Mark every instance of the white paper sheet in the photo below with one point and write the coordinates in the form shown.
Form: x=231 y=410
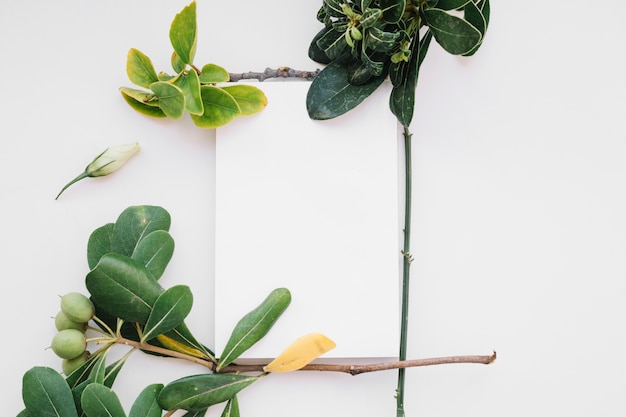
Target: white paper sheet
x=311 y=206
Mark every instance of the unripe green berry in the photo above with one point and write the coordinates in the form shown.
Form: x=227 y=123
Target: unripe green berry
x=62 y=322
x=77 y=307
x=70 y=365
x=69 y=343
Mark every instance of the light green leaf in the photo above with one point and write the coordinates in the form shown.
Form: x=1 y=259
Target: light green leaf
x=219 y=108
x=454 y=34
x=171 y=99
x=138 y=101
x=146 y=404
x=140 y=69
x=183 y=33
x=46 y=394
x=155 y=251
x=212 y=74
x=198 y=392
x=250 y=99
x=98 y=400
x=190 y=86
x=177 y=64
x=123 y=288
x=254 y=325
x=168 y=311
x=135 y=223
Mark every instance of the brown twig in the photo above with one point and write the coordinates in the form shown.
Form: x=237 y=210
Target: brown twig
x=281 y=72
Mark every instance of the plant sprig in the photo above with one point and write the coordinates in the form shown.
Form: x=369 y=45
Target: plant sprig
x=190 y=89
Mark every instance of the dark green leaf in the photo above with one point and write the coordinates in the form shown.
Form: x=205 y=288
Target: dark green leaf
x=171 y=98
x=370 y=17
x=333 y=43
x=23 y=413
x=316 y=53
x=134 y=223
x=155 y=251
x=147 y=108
x=190 y=86
x=475 y=17
x=123 y=287
x=232 y=408
x=372 y=64
x=250 y=99
x=454 y=34
x=219 y=108
x=98 y=371
x=254 y=325
x=45 y=393
x=168 y=311
x=402 y=99
x=381 y=41
x=485 y=8
x=146 y=404
x=140 y=69
x=212 y=74
x=331 y=94
x=199 y=413
x=100 y=401
x=198 y=392
x=183 y=33
x=99 y=244
x=333 y=8
x=451 y=4
x=392 y=10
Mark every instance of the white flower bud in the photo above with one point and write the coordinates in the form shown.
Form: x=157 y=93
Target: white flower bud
x=107 y=162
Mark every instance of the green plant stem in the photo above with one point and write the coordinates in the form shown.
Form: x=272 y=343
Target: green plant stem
x=406 y=264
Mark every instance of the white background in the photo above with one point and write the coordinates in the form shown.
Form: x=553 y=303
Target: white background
x=519 y=232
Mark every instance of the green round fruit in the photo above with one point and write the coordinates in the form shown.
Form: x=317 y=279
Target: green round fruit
x=62 y=322
x=77 y=307
x=69 y=343
x=70 y=365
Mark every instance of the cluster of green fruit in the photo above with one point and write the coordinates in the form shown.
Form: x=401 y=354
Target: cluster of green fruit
x=70 y=343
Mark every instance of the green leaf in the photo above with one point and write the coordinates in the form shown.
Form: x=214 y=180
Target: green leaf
x=474 y=15
x=100 y=401
x=370 y=17
x=333 y=43
x=451 y=4
x=331 y=94
x=199 y=413
x=333 y=8
x=183 y=33
x=402 y=98
x=189 y=84
x=98 y=371
x=485 y=9
x=381 y=41
x=177 y=64
x=392 y=10
x=147 y=108
x=123 y=287
x=212 y=74
x=171 y=98
x=23 y=413
x=219 y=108
x=140 y=69
x=254 y=325
x=99 y=244
x=232 y=408
x=146 y=404
x=198 y=392
x=316 y=53
x=250 y=99
x=168 y=311
x=454 y=34
x=136 y=222
x=183 y=335
x=45 y=393
x=155 y=251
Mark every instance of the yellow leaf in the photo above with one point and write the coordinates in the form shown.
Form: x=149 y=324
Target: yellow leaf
x=300 y=353
x=175 y=345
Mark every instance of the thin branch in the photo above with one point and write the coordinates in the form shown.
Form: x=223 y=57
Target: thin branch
x=382 y=366
x=281 y=72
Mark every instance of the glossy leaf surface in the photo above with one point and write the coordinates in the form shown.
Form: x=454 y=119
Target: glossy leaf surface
x=331 y=94
x=130 y=96
x=169 y=310
x=134 y=223
x=98 y=400
x=198 y=392
x=212 y=73
x=171 y=99
x=123 y=287
x=99 y=244
x=254 y=325
x=219 y=108
x=155 y=251
x=250 y=99
x=183 y=33
x=146 y=404
x=453 y=33
x=46 y=394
